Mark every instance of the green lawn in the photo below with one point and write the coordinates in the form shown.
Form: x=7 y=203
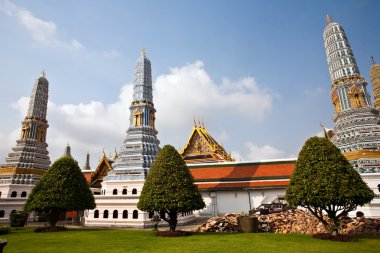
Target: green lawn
x=25 y=240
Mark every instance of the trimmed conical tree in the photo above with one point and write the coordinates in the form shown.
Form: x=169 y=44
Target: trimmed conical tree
x=169 y=188
x=324 y=182
x=62 y=188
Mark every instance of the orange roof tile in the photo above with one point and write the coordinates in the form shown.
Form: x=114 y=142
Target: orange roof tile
x=219 y=171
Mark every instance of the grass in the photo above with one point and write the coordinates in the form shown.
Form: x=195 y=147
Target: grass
x=86 y=240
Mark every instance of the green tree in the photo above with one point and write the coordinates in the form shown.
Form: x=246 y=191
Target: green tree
x=169 y=188
x=324 y=182
x=62 y=188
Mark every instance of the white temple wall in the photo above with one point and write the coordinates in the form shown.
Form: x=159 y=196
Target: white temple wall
x=222 y=202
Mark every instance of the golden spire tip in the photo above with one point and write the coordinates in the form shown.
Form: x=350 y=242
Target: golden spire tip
x=328 y=19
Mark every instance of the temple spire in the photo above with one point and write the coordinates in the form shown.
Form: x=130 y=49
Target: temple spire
x=87 y=164
x=30 y=151
x=141 y=132
x=67 y=151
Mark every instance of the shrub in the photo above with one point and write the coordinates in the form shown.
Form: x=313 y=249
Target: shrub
x=4 y=230
x=18 y=218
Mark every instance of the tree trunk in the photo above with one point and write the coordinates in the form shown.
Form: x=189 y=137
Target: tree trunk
x=53 y=216
x=335 y=226
x=173 y=220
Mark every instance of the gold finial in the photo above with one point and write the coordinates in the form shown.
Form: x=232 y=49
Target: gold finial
x=143 y=53
x=116 y=155
x=328 y=19
x=199 y=122
x=43 y=73
x=373 y=60
x=195 y=123
x=203 y=124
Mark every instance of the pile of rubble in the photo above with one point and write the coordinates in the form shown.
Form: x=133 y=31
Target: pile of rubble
x=225 y=223
x=291 y=221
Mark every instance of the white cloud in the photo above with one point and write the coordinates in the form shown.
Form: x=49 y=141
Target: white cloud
x=255 y=152
x=42 y=31
x=189 y=91
x=178 y=95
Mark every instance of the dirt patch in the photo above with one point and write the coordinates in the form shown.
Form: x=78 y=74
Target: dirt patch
x=172 y=233
x=49 y=229
x=339 y=238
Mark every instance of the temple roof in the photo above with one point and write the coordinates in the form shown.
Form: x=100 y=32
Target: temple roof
x=202 y=148
x=243 y=175
x=104 y=166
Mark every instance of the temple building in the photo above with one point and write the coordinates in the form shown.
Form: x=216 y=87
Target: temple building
x=29 y=159
x=228 y=186
x=357 y=130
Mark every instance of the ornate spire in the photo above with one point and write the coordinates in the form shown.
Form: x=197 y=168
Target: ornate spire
x=142 y=86
x=141 y=144
x=354 y=115
x=67 y=151
x=43 y=73
x=87 y=164
x=30 y=151
x=328 y=19
x=340 y=58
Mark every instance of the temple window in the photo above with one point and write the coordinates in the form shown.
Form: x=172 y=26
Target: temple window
x=105 y=214
x=115 y=214
x=125 y=214
x=135 y=214
x=134 y=191
x=14 y=194
x=96 y=214
x=378 y=187
x=114 y=192
x=124 y=191
x=23 y=194
x=2 y=213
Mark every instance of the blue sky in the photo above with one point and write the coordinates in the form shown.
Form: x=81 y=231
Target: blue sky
x=254 y=71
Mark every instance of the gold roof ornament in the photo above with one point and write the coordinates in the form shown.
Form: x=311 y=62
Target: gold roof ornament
x=328 y=19
x=116 y=155
x=201 y=147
